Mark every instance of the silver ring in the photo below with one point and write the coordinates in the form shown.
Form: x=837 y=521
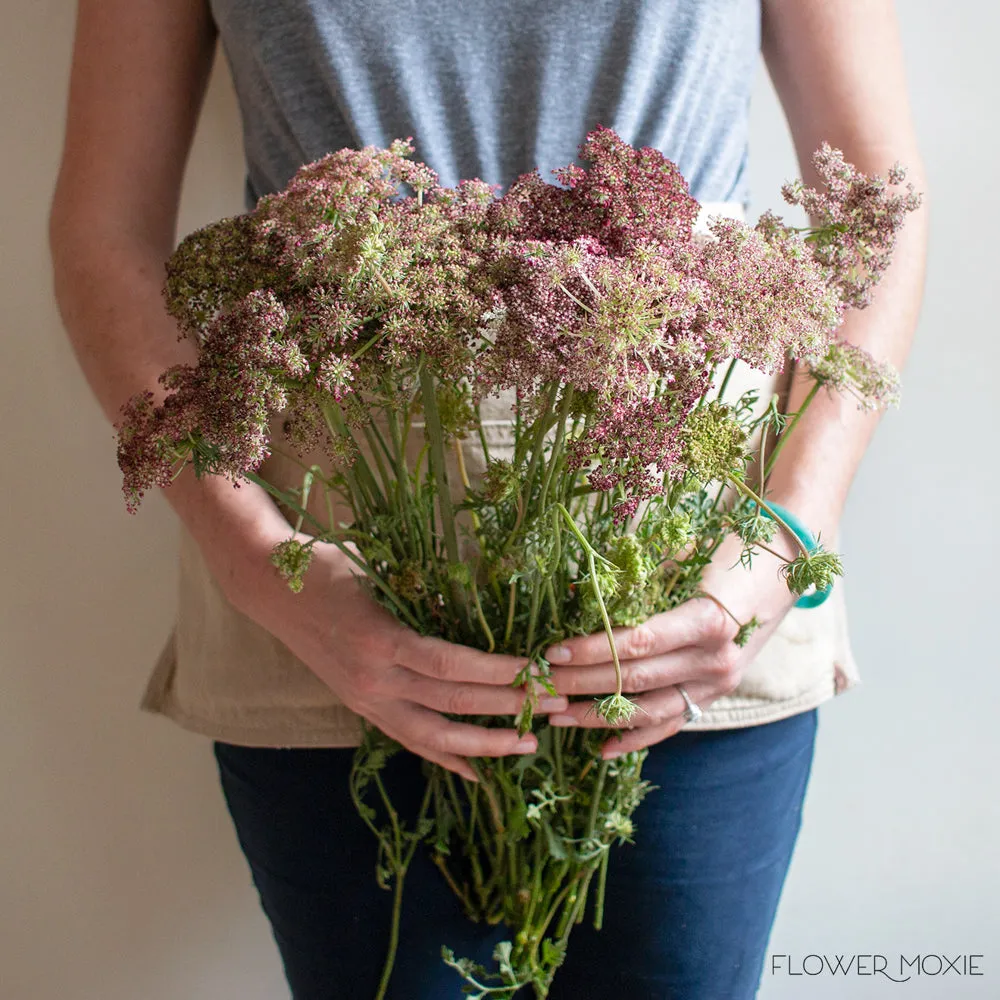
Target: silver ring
x=691 y=711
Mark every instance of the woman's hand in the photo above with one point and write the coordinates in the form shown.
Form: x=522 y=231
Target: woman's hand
x=398 y=680
x=690 y=645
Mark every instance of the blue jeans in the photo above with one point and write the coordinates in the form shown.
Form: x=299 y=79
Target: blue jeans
x=689 y=906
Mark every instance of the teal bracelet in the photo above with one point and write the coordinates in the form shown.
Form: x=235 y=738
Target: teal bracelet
x=817 y=597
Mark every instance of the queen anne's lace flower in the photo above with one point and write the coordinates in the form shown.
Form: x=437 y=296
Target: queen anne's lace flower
x=597 y=286
x=856 y=219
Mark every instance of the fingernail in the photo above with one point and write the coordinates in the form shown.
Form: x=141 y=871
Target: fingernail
x=611 y=754
x=562 y=720
x=553 y=704
x=559 y=654
x=526 y=745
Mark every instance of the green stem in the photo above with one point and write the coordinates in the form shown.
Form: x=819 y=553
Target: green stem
x=728 y=376
x=364 y=347
x=595 y=802
x=788 y=430
x=770 y=551
x=556 y=456
x=550 y=593
x=327 y=536
x=449 y=782
x=535 y=871
x=542 y=425
x=481 y=618
x=602 y=883
x=592 y=570
x=712 y=597
x=556 y=903
x=337 y=428
x=511 y=604
x=307 y=481
x=536 y=600
x=402 y=865
x=435 y=438
x=414 y=523
x=747 y=491
x=581 y=904
x=482 y=436
x=390 y=955
x=379 y=437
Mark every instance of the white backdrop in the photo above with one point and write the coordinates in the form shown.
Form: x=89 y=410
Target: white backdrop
x=119 y=872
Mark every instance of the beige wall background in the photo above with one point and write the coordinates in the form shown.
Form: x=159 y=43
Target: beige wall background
x=120 y=876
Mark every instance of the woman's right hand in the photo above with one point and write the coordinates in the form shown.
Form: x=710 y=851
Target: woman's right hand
x=395 y=678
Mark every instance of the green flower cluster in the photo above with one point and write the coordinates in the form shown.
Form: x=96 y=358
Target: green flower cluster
x=817 y=569
x=292 y=558
x=714 y=443
x=624 y=578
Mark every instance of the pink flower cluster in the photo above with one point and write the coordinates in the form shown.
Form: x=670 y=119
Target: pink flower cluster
x=856 y=219
x=341 y=286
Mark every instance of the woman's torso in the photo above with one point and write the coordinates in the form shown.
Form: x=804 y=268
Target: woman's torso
x=486 y=89
x=493 y=88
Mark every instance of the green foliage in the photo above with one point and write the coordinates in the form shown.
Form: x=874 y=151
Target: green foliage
x=818 y=569
x=501 y=481
x=748 y=521
x=456 y=409
x=746 y=630
x=715 y=443
x=292 y=559
x=617 y=710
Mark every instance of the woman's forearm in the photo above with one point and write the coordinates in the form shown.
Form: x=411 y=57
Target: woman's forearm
x=108 y=291
x=839 y=73
x=817 y=464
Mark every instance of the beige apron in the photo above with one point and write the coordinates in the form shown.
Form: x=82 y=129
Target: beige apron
x=222 y=675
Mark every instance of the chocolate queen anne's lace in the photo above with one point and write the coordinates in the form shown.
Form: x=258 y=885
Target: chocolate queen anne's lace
x=373 y=309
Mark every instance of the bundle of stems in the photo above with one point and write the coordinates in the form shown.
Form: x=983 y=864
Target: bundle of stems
x=529 y=843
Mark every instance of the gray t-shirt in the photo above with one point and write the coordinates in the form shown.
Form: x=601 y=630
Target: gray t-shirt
x=492 y=88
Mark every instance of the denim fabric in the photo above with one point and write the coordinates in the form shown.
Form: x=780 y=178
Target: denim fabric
x=689 y=906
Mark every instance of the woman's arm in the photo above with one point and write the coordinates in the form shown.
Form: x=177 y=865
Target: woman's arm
x=838 y=71
x=140 y=69
x=138 y=79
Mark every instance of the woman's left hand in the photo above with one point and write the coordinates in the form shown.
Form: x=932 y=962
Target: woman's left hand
x=690 y=645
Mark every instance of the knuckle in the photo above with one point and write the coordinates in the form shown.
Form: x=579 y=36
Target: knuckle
x=727 y=672
x=446 y=739
x=439 y=663
x=667 y=716
x=674 y=727
x=731 y=681
x=727 y=657
x=635 y=677
x=366 y=681
x=715 y=621
x=461 y=701
x=395 y=647
x=436 y=739
x=638 y=641
x=651 y=715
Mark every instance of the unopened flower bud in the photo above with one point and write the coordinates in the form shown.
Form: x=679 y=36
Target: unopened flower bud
x=292 y=558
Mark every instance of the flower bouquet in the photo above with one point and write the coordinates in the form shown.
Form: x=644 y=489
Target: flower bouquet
x=391 y=324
